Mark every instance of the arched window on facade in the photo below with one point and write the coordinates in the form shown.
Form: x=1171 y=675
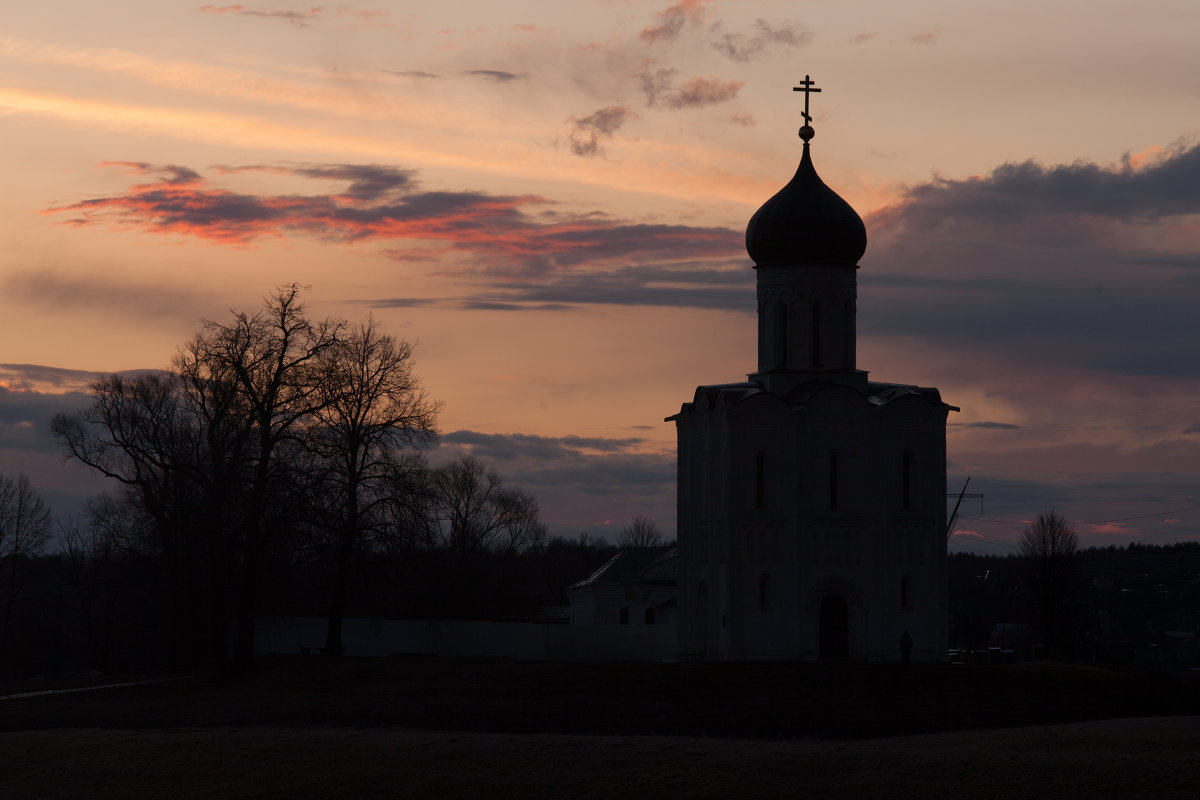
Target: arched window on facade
x=834 y=469
x=906 y=480
x=906 y=592
x=760 y=480
x=624 y=615
x=781 y=334
x=649 y=616
x=816 y=334
x=764 y=591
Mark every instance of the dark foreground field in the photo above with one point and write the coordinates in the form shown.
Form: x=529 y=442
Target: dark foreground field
x=461 y=728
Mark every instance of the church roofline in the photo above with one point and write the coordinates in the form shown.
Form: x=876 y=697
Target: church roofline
x=713 y=396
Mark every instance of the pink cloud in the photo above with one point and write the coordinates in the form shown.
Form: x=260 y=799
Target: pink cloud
x=968 y=533
x=380 y=203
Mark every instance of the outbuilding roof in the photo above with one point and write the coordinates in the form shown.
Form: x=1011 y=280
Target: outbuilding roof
x=633 y=566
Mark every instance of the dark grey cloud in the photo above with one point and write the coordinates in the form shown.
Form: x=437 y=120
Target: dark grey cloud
x=661 y=91
x=494 y=75
x=24 y=377
x=297 y=18
x=402 y=302
x=631 y=286
x=1045 y=264
x=412 y=73
x=1172 y=261
x=1016 y=192
x=45 y=287
x=656 y=82
x=479 y=304
x=697 y=92
x=1133 y=329
x=367 y=181
x=509 y=445
x=667 y=285
x=587 y=132
x=1004 y=426
x=25 y=416
x=764 y=39
x=585 y=465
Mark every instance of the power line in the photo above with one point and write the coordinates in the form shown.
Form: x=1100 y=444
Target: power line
x=1095 y=521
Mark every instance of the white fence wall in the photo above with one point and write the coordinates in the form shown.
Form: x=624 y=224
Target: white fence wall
x=521 y=641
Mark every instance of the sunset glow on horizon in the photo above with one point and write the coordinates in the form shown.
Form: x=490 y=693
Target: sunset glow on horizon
x=551 y=202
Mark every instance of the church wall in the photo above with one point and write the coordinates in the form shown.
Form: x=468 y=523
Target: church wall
x=703 y=535
x=773 y=541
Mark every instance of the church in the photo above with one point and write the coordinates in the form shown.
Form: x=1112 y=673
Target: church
x=812 y=511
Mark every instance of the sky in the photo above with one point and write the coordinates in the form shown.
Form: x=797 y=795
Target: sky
x=550 y=199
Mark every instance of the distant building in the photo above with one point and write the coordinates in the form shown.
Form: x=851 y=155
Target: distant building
x=634 y=587
x=811 y=500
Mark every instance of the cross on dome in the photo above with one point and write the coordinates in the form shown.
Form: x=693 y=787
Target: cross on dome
x=806 y=86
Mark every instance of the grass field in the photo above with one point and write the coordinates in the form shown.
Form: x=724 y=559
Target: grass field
x=301 y=727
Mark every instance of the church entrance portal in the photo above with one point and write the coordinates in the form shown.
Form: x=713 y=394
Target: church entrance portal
x=835 y=628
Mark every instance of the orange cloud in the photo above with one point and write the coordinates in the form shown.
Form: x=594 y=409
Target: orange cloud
x=383 y=203
x=1150 y=156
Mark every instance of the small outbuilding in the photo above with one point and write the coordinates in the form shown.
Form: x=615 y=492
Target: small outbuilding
x=634 y=587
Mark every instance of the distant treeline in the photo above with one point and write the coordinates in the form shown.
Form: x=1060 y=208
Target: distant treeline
x=1132 y=605
x=101 y=608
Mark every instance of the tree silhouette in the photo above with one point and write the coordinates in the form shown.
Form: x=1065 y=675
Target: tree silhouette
x=641 y=532
x=477 y=513
x=24 y=529
x=178 y=470
x=268 y=366
x=370 y=408
x=1050 y=547
x=205 y=449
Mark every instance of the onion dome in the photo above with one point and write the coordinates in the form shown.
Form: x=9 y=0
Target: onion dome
x=806 y=223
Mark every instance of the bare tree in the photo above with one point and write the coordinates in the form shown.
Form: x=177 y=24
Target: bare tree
x=204 y=450
x=641 y=532
x=1050 y=547
x=478 y=513
x=370 y=407
x=24 y=530
x=266 y=368
x=144 y=433
x=520 y=524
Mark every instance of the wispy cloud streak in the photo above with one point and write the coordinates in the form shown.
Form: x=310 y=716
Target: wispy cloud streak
x=299 y=18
